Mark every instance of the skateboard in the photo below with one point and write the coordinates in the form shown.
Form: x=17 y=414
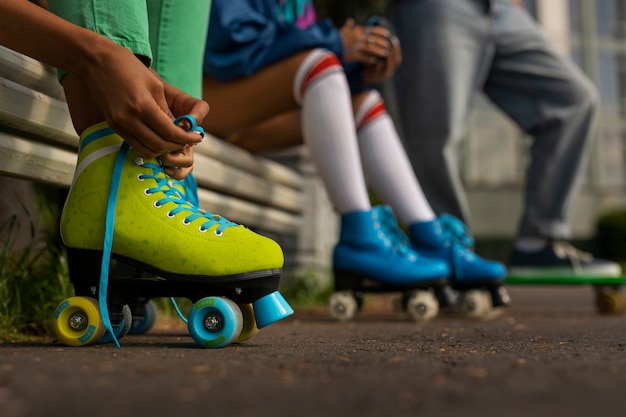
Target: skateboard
x=608 y=298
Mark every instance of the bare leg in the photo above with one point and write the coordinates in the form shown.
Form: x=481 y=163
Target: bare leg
x=248 y=102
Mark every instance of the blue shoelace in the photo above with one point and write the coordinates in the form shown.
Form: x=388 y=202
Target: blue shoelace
x=399 y=240
x=455 y=232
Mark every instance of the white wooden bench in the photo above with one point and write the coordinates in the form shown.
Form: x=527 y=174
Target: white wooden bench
x=38 y=143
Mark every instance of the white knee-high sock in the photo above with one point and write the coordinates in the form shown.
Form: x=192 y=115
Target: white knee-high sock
x=321 y=88
x=386 y=165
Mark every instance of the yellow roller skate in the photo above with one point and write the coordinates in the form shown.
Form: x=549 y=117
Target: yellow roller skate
x=129 y=234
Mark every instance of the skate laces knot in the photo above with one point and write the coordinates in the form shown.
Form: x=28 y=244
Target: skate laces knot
x=164 y=185
x=454 y=232
x=398 y=240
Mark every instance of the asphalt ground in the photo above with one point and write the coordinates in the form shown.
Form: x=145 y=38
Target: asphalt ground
x=550 y=354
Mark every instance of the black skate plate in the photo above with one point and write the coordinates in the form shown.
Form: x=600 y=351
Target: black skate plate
x=355 y=281
x=130 y=279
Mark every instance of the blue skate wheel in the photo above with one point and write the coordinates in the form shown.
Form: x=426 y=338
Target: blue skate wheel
x=148 y=320
x=215 y=322
x=271 y=308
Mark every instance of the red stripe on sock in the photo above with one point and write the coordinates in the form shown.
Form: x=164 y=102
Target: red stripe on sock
x=375 y=111
x=328 y=62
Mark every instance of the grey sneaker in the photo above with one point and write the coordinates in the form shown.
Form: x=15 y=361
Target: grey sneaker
x=560 y=258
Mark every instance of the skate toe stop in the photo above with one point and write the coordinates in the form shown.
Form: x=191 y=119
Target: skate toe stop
x=271 y=308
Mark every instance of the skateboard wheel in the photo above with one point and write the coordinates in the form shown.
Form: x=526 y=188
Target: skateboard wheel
x=421 y=306
x=77 y=321
x=249 y=328
x=343 y=306
x=215 y=322
x=120 y=330
x=610 y=302
x=147 y=321
x=476 y=304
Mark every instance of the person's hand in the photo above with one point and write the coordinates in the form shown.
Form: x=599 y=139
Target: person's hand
x=383 y=68
x=178 y=164
x=139 y=105
x=366 y=44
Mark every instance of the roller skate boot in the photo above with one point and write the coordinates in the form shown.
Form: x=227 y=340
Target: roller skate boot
x=374 y=255
x=129 y=235
x=477 y=281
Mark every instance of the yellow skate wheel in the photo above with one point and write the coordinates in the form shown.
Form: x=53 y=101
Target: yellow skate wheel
x=249 y=323
x=77 y=321
x=610 y=302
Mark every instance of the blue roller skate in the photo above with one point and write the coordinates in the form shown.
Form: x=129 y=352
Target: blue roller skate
x=478 y=281
x=374 y=255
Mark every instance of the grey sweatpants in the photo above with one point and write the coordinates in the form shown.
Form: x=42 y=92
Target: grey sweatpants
x=454 y=48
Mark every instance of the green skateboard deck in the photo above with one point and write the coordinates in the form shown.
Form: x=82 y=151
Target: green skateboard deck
x=608 y=299
x=564 y=280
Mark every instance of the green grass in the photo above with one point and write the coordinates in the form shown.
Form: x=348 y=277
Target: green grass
x=32 y=283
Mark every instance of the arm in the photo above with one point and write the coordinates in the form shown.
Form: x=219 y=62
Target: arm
x=128 y=95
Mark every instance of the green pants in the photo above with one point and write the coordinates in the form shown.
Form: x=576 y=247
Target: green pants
x=169 y=35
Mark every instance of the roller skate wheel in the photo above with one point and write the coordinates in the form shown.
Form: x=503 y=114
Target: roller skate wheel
x=610 y=302
x=215 y=322
x=476 y=304
x=249 y=323
x=122 y=329
x=77 y=321
x=148 y=320
x=422 y=306
x=343 y=306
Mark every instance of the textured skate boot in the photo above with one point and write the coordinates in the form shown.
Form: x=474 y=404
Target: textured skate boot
x=446 y=238
x=374 y=256
x=151 y=231
x=372 y=247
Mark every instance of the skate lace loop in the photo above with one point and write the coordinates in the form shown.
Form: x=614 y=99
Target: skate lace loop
x=564 y=250
x=454 y=231
x=172 y=195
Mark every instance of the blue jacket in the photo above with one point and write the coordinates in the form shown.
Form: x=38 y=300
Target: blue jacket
x=246 y=35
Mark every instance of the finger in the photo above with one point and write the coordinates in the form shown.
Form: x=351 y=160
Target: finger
x=176 y=159
x=396 y=49
x=146 y=141
x=178 y=173
x=380 y=31
x=199 y=110
x=377 y=46
x=163 y=130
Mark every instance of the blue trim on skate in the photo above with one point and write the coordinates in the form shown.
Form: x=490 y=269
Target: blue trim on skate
x=94 y=136
x=108 y=239
x=271 y=308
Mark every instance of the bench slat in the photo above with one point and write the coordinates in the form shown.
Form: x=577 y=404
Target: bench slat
x=38 y=143
x=35 y=161
x=215 y=175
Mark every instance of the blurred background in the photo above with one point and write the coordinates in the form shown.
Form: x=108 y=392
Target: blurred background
x=494 y=157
